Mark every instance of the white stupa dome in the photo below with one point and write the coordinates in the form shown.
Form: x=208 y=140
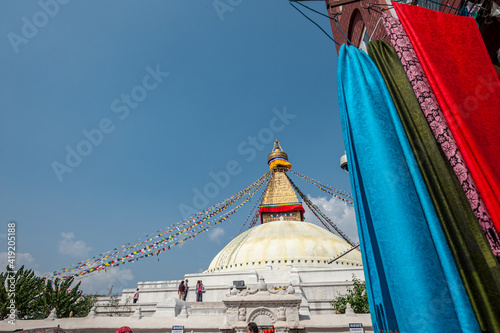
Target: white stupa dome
x=279 y=243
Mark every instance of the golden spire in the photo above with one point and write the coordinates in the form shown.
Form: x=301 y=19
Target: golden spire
x=280 y=200
x=278 y=158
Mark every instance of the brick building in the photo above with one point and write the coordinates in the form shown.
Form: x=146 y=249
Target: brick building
x=360 y=21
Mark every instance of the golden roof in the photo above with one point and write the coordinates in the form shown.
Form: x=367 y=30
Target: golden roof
x=277 y=152
x=279 y=190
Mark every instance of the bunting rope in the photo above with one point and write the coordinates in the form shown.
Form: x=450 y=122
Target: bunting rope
x=320 y=184
x=191 y=227
x=327 y=188
x=343 y=254
x=164 y=239
x=316 y=211
x=255 y=219
x=191 y=233
x=254 y=210
x=309 y=204
x=213 y=209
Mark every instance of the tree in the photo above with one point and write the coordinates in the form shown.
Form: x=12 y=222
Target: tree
x=35 y=297
x=59 y=295
x=23 y=287
x=356 y=296
x=4 y=300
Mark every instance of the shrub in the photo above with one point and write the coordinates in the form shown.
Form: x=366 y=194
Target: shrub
x=356 y=296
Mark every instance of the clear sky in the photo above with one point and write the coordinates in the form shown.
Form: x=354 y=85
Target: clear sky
x=114 y=113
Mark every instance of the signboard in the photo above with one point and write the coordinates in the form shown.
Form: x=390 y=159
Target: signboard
x=356 y=328
x=177 y=329
x=239 y=284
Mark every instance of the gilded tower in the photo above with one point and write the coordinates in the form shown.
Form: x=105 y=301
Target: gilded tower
x=280 y=201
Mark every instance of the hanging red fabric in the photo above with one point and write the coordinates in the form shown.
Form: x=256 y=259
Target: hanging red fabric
x=280 y=209
x=454 y=57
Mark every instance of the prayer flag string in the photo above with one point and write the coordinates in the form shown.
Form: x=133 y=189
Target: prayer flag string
x=159 y=241
x=326 y=188
x=254 y=209
x=319 y=214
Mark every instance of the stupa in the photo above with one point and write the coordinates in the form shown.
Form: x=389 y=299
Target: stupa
x=283 y=239
x=278 y=274
x=285 y=254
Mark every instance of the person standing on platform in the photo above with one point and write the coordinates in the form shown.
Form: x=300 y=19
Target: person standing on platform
x=199 y=291
x=186 y=287
x=136 y=296
x=182 y=290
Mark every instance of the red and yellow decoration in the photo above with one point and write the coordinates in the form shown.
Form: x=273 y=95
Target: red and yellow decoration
x=278 y=158
x=279 y=162
x=295 y=207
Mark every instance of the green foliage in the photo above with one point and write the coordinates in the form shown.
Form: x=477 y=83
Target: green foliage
x=355 y=296
x=35 y=297
x=4 y=300
x=58 y=296
x=85 y=303
x=27 y=289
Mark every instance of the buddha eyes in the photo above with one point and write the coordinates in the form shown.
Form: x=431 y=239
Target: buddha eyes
x=277 y=215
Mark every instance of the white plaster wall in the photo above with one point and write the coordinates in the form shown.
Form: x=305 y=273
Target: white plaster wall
x=195 y=324
x=317 y=286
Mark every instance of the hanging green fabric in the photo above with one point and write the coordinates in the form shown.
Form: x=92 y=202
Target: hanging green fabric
x=478 y=268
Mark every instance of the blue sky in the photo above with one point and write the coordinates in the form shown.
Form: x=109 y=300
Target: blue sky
x=154 y=97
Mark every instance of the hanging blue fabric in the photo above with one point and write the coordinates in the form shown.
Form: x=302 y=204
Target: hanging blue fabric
x=412 y=283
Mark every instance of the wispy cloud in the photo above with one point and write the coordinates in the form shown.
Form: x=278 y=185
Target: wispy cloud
x=25 y=259
x=71 y=247
x=340 y=213
x=102 y=281
x=216 y=234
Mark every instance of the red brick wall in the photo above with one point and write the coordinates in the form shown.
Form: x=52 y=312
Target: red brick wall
x=353 y=19
x=356 y=27
x=451 y=3
x=352 y=14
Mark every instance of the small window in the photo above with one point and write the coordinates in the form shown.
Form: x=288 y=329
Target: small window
x=365 y=38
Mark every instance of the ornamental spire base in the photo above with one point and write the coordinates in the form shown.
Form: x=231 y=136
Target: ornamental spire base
x=280 y=201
